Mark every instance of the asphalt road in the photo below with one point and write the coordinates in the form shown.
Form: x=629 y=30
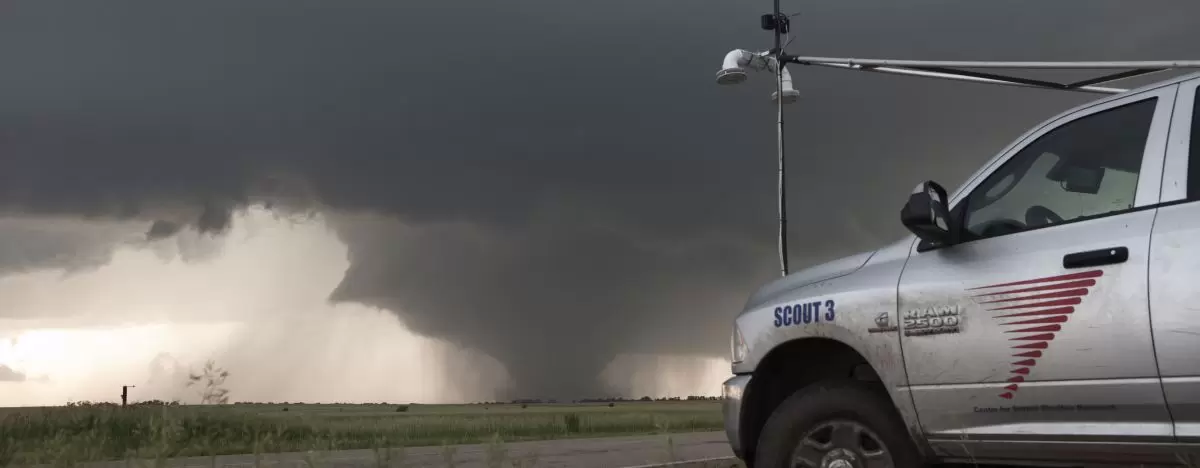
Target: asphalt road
x=610 y=452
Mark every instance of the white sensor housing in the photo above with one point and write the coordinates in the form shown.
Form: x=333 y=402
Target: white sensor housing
x=733 y=71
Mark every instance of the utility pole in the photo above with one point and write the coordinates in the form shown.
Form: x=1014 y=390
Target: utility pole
x=125 y=394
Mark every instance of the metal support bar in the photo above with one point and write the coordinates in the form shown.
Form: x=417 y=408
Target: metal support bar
x=952 y=70
x=1160 y=64
x=1116 y=76
x=957 y=77
x=997 y=77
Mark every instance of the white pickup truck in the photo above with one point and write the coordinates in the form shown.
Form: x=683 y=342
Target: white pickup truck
x=1045 y=313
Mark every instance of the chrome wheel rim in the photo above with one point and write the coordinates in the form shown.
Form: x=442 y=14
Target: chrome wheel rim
x=841 y=443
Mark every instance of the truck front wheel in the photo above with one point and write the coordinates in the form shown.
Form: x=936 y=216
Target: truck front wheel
x=835 y=424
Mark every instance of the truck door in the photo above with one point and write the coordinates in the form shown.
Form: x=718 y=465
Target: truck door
x=1035 y=325
x=1175 y=269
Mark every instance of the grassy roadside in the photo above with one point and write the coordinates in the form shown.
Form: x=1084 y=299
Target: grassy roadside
x=63 y=436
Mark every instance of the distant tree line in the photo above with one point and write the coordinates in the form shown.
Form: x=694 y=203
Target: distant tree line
x=402 y=407
x=109 y=404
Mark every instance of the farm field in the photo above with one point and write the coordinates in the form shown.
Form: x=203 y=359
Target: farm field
x=699 y=449
x=65 y=436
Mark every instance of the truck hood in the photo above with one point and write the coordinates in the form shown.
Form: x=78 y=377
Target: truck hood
x=825 y=271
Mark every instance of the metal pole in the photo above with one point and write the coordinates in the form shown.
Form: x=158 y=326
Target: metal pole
x=780 y=61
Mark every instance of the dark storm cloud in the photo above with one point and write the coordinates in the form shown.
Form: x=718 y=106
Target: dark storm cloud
x=161 y=229
x=569 y=181
x=28 y=243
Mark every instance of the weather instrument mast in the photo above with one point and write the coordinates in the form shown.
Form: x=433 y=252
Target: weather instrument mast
x=775 y=60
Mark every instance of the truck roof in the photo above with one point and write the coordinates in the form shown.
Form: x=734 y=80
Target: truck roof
x=1156 y=84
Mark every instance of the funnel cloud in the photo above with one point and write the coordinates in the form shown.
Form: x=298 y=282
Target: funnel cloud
x=551 y=184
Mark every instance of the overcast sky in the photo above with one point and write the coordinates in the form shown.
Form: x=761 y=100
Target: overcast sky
x=550 y=184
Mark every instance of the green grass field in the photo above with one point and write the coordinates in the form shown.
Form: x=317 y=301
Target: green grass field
x=66 y=435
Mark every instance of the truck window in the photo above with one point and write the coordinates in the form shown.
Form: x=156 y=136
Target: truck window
x=1087 y=167
x=1193 y=179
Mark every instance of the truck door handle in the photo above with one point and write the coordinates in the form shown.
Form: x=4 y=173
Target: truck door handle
x=1097 y=257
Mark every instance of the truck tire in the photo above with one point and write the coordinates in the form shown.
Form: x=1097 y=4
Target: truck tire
x=836 y=424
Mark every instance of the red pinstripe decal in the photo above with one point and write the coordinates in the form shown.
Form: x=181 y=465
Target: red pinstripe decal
x=1034 y=334
x=1056 y=311
x=1050 y=319
x=1043 y=328
x=1080 y=275
x=1060 y=302
x=1052 y=287
x=1067 y=293
x=1041 y=337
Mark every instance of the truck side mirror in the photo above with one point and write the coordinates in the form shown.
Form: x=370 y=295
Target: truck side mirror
x=926 y=214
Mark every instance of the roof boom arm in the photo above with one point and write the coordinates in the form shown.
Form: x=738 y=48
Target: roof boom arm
x=989 y=64
x=950 y=70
